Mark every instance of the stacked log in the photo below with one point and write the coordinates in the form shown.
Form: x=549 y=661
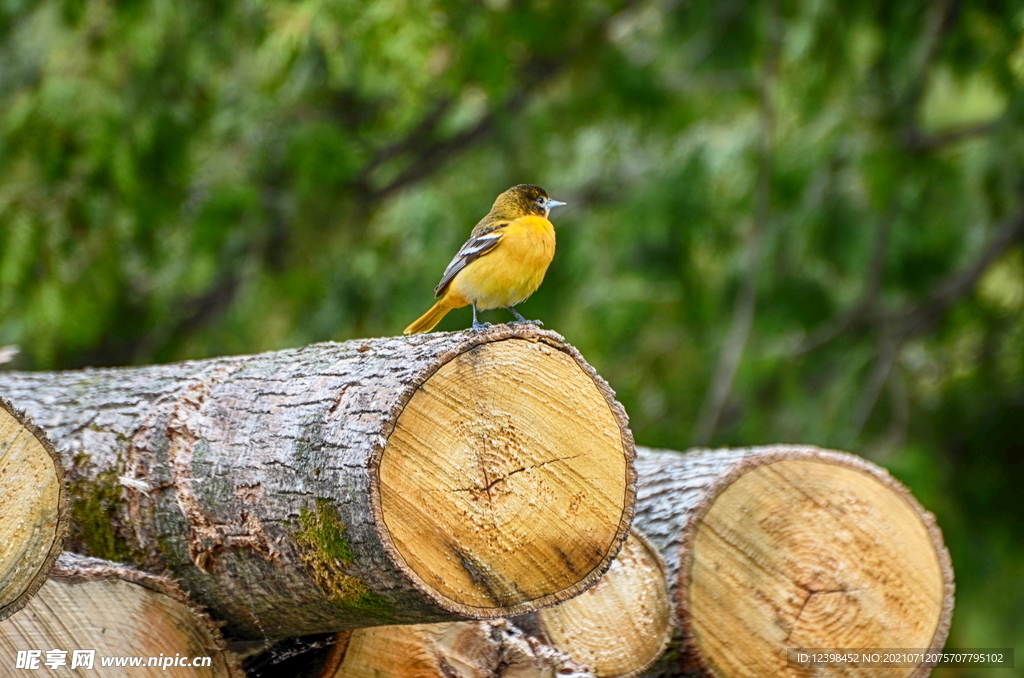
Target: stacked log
x=787 y=546
x=748 y=552
x=381 y=492
x=434 y=478
x=623 y=625
x=33 y=508
x=479 y=649
x=100 y=617
x=619 y=627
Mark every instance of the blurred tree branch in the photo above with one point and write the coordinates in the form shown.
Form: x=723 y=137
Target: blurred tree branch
x=917 y=141
x=897 y=327
x=939 y=18
x=416 y=140
x=887 y=352
x=865 y=307
x=429 y=153
x=430 y=157
x=746 y=298
x=913 y=320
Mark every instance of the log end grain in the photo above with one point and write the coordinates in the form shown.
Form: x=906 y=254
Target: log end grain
x=449 y=650
x=803 y=548
x=392 y=480
x=507 y=483
x=619 y=628
x=34 y=516
x=90 y=604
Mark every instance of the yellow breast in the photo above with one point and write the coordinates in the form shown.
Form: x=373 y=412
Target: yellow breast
x=514 y=269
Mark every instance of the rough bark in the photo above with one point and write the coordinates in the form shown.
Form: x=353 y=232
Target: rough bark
x=92 y=604
x=438 y=477
x=790 y=546
x=33 y=508
x=477 y=649
x=764 y=548
x=618 y=628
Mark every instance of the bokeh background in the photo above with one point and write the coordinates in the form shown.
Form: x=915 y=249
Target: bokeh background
x=788 y=221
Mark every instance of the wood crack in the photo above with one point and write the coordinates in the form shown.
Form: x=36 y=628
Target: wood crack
x=490 y=485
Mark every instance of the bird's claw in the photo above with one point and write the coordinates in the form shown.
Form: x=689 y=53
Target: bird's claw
x=480 y=327
x=536 y=323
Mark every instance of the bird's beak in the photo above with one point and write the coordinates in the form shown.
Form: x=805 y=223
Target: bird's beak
x=553 y=203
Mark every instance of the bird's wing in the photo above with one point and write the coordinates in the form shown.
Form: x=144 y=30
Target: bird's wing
x=480 y=243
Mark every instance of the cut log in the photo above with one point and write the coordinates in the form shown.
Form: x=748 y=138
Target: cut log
x=617 y=628
x=117 y=613
x=33 y=508
x=788 y=546
x=480 y=649
x=621 y=626
x=782 y=547
x=430 y=478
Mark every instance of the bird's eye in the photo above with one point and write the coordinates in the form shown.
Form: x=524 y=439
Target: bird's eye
x=540 y=201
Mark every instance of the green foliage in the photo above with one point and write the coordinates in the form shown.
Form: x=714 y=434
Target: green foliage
x=188 y=179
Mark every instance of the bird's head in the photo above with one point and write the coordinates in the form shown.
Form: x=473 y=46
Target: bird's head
x=523 y=200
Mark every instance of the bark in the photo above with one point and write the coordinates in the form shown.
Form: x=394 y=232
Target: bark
x=476 y=649
x=763 y=548
x=438 y=477
x=92 y=604
x=618 y=628
x=33 y=508
x=788 y=546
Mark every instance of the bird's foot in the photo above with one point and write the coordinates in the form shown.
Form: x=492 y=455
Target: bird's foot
x=520 y=320
x=480 y=327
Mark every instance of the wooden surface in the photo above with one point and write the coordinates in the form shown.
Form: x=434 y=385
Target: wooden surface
x=451 y=650
x=104 y=608
x=256 y=480
x=800 y=553
x=32 y=511
x=790 y=546
x=620 y=627
x=505 y=479
x=762 y=549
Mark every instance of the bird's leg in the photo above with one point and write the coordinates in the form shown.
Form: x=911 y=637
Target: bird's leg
x=520 y=320
x=478 y=326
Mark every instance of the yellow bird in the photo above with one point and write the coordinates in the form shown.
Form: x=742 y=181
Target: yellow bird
x=502 y=263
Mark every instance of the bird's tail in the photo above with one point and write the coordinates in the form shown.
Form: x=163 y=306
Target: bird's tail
x=429 y=320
